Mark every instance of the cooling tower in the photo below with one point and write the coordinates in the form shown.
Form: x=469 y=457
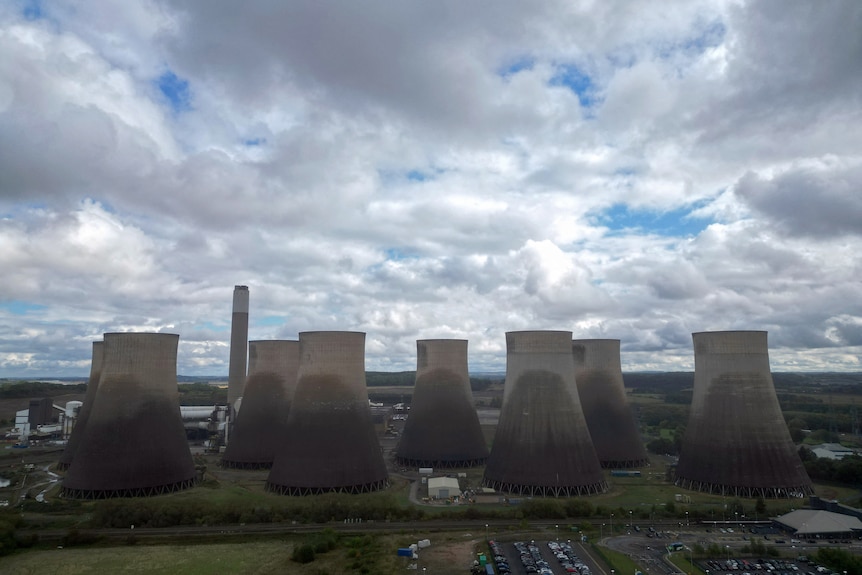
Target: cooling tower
x=134 y=443
x=599 y=376
x=542 y=445
x=737 y=442
x=330 y=443
x=84 y=412
x=443 y=427
x=260 y=424
x=238 y=346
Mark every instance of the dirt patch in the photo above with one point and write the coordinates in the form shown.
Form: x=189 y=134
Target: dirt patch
x=455 y=554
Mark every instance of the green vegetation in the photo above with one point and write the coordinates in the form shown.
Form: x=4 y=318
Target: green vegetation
x=840 y=560
x=202 y=394
x=34 y=389
x=617 y=561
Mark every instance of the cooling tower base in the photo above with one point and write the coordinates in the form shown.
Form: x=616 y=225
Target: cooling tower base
x=547 y=490
x=625 y=464
x=441 y=464
x=747 y=492
x=246 y=465
x=63 y=466
x=351 y=489
x=134 y=492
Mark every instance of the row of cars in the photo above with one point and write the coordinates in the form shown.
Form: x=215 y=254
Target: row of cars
x=499 y=558
x=568 y=559
x=531 y=558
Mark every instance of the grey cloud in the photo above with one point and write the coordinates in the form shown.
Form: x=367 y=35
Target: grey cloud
x=825 y=202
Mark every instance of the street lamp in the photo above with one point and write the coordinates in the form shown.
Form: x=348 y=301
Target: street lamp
x=631 y=523
x=557 y=532
x=686 y=519
x=486 y=532
x=612 y=523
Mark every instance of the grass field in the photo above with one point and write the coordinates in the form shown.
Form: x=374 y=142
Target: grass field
x=449 y=553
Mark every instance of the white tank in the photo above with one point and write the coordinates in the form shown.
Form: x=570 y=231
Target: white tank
x=72 y=408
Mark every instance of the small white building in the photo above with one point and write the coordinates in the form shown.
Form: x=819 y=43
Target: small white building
x=443 y=487
x=832 y=451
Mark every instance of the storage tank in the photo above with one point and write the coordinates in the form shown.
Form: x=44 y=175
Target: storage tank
x=134 y=443
x=84 y=413
x=260 y=424
x=736 y=442
x=599 y=376
x=238 y=346
x=330 y=443
x=443 y=428
x=542 y=445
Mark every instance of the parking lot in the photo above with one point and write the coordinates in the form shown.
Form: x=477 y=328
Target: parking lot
x=542 y=558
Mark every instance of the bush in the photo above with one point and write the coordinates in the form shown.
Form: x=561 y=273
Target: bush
x=302 y=554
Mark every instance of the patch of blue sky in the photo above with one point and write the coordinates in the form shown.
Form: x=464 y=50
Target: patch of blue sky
x=414 y=175
x=399 y=254
x=269 y=321
x=418 y=176
x=31 y=9
x=576 y=80
x=176 y=91
x=254 y=142
x=708 y=35
x=675 y=223
x=16 y=307
x=516 y=65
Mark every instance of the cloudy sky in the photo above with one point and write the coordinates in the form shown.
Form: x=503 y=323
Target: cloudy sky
x=442 y=169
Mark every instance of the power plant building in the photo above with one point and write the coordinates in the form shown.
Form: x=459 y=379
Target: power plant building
x=542 y=446
x=599 y=376
x=238 y=346
x=134 y=443
x=87 y=406
x=443 y=427
x=330 y=443
x=261 y=421
x=737 y=442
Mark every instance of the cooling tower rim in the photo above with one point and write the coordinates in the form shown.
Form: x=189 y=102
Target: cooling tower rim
x=251 y=341
x=596 y=339
x=539 y=332
x=330 y=332
x=442 y=339
x=730 y=331
x=240 y=288
x=113 y=333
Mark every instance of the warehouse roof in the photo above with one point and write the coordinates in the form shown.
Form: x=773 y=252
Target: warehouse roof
x=813 y=522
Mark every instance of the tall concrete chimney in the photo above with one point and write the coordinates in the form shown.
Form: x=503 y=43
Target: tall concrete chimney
x=238 y=346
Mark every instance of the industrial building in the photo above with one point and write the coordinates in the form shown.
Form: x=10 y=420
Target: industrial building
x=330 y=443
x=83 y=414
x=542 y=445
x=261 y=421
x=815 y=523
x=443 y=428
x=238 y=347
x=443 y=487
x=134 y=443
x=599 y=376
x=737 y=442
